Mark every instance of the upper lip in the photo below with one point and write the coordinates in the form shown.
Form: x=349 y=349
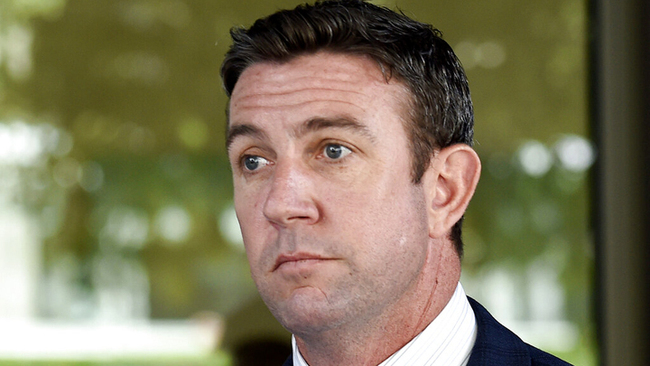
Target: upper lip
x=294 y=257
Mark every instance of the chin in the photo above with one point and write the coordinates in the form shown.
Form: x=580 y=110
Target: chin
x=307 y=311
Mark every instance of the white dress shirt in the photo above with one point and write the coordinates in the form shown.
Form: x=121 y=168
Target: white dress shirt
x=446 y=341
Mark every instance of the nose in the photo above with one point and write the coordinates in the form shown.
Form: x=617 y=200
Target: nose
x=291 y=199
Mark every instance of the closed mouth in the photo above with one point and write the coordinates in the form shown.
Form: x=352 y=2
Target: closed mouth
x=297 y=257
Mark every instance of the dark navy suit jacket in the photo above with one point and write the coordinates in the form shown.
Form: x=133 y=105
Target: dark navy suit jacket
x=497 y=346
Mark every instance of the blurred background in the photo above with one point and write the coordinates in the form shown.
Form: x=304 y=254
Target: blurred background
x=118 y=240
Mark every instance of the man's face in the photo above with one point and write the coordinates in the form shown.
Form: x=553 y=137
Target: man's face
x=335 y=231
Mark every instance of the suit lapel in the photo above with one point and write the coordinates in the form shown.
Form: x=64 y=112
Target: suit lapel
x=495 y=345
x=288 y=362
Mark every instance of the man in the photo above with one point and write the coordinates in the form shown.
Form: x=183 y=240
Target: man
x=349 y=137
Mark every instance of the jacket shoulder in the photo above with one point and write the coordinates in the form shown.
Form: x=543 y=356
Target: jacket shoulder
x=496 y=345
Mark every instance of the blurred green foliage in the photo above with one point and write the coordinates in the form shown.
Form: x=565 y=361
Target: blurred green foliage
x=133 y=85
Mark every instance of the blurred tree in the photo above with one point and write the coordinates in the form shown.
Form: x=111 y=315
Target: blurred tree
x=136 y=195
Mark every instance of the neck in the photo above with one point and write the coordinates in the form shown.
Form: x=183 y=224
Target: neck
x=368 y=343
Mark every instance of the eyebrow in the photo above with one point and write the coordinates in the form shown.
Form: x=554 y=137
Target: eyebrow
x=318 y=123
x=243 y=130
x=311 y=125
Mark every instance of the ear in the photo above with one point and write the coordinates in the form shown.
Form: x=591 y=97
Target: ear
x=449 y=183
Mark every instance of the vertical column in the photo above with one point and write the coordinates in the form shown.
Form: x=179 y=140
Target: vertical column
x=621 y=109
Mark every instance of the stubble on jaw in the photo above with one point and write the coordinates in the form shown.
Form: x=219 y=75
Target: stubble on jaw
x=353 y=309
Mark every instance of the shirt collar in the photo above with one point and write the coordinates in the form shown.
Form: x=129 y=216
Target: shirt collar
x=446 y=341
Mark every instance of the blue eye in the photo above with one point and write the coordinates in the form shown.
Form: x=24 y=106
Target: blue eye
x=336 y=151
x=252 y=162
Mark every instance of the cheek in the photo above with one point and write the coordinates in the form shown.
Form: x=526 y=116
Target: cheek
x=394 y=223
x=248 y=217
x=248 y=202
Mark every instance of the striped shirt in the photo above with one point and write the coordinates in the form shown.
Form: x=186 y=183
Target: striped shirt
x=446 y=341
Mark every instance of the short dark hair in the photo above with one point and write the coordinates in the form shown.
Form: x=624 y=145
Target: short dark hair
x=441 y=112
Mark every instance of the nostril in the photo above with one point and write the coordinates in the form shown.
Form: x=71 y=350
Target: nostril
x=300 y=218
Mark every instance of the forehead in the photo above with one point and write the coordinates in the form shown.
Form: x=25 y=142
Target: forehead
x=318 y=83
